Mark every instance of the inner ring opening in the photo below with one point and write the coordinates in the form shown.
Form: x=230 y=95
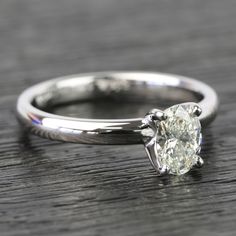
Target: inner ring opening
x=111 y=97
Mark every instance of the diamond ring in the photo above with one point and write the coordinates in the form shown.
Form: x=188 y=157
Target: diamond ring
x=171 y=137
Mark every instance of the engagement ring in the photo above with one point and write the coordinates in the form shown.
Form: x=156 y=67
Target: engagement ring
x=171 y=137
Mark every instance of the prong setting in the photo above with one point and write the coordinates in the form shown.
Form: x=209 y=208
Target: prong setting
x=164 y=170
x=175 y=142
x=159 y=115
x=197 y=111
x=199 y=163
x=151 y=119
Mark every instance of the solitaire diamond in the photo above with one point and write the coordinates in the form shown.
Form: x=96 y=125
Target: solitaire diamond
x=179 y=139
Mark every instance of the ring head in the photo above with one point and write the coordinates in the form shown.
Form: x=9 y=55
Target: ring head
x=178 y=139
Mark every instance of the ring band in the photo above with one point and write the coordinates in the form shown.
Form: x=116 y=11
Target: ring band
x=141 y=86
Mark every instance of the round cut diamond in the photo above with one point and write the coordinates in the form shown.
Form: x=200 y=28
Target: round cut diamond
x=179 y=139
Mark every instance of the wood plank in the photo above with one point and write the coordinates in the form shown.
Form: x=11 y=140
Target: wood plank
x=49 y=188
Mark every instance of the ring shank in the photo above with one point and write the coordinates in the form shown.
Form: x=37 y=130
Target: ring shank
x=154 y=87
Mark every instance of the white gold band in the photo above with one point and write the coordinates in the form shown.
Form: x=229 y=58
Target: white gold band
x=33 y=102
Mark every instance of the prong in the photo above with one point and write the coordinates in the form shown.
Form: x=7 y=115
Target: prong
x=197 y=111
x=144 y=126
x=151 y=117
x=163 y=170
x=199 y=162
x=150 y=147
x=147 y=122
x=158 y=114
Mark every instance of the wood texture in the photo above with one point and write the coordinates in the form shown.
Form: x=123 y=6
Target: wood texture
x=49 y=188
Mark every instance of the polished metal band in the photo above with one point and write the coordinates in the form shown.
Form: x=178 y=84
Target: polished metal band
x=141 y=86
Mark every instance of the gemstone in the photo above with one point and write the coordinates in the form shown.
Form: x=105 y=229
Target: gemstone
x=179 y=139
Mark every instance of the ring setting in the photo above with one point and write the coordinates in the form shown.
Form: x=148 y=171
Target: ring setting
x=173 y=138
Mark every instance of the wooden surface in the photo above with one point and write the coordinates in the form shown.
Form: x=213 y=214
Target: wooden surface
x=49 y=188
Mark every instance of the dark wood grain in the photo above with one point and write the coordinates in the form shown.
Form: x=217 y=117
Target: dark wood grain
x=49 y=188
